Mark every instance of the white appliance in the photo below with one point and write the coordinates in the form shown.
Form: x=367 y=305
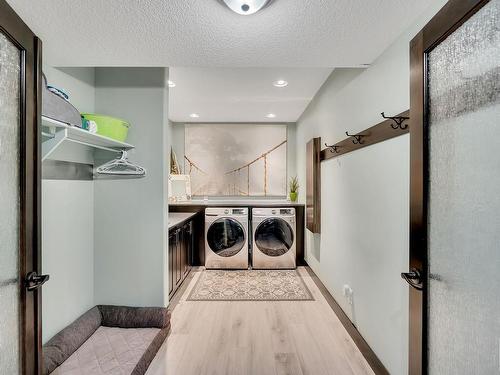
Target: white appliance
x=273 y=238
x=226 y=238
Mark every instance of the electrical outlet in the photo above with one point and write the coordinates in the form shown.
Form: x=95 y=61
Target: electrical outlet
x=345 y=288
x=348 y=293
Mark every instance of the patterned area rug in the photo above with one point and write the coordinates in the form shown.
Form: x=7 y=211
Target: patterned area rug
x=250 y=285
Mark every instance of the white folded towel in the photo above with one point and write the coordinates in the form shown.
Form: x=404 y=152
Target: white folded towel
x=92 y=126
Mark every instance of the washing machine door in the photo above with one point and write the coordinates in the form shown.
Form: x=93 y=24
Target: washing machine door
x=274 y=236
x=226 y=237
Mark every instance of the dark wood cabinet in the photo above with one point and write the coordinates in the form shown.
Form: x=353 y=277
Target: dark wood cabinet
x=187 y=253
x=180 y=255
x=172 y=243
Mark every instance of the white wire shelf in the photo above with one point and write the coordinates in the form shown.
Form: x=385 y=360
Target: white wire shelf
x=56 y=133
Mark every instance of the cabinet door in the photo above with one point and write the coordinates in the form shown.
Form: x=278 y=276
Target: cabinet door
x=183 y=252
x=178 y=257
x=188 y=247
x=171 y=262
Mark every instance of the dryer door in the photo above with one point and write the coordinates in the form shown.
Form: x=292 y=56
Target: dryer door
x=226 y=237
x=274 y=237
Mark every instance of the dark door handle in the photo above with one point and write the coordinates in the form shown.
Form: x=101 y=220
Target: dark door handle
x=414 y=278
x=35 y=281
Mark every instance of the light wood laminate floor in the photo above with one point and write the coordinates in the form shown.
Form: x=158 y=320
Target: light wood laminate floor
x=257 y=338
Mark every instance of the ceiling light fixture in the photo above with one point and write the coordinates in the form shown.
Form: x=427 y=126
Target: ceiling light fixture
x=170 y=83
x=271 y=115
x=280 y=83
x=246 y=7
x=194 y=115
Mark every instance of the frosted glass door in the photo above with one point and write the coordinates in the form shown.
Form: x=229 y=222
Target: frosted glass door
x=10 y=70
x=464 y=198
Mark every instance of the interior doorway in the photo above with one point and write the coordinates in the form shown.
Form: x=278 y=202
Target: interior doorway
x=20 y=69
x=454 y=258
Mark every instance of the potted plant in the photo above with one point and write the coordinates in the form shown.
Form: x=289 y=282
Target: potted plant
x=294 y=188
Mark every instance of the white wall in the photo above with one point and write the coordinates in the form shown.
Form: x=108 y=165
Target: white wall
x=365 y=198
x=130 y=214
x=291 y=152
x=68 y=224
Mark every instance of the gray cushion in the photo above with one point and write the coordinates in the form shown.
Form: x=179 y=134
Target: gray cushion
x=134 y=317
x=66 y=342
x=57 y=108
x=110 y=350
x=150 y=353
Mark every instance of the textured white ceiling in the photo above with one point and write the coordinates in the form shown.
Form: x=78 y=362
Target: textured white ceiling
x=242 y=94
x=293 y=33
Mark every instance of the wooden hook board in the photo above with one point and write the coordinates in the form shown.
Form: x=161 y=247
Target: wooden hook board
x=378 y=133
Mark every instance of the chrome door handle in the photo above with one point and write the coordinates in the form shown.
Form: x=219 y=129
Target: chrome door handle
x=414 y=278
x=35 y=281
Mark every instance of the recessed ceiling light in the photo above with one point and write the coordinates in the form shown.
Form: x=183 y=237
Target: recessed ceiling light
x=246 y=7
x=194 y=115
x=280 y=83
x=271 y=115
x=170 y=83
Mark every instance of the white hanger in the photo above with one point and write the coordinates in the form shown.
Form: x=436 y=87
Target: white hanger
x=121 y=167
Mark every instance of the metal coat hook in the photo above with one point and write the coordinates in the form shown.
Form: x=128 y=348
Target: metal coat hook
x=358 y=138
x=333 y=148
x=398 y=120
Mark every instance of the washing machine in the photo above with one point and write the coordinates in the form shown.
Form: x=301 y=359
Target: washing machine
x=226 y=238
x=273 y=238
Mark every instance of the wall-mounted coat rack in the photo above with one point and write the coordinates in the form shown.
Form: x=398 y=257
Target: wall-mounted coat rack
x=392 y=126
x=398 y=121
x=358 y=138
x=333 y=148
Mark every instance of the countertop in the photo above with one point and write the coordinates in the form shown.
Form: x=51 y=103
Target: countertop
x=176 y=218
x=237 y=203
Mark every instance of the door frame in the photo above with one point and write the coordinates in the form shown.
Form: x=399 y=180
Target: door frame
x=30 y=184
x=445 y=22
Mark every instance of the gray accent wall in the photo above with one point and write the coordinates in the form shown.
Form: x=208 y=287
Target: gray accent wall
x=104 y=241
x=130 y=215
x=365 y=199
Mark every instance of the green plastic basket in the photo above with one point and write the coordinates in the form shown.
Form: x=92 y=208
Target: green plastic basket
x=108 y=126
